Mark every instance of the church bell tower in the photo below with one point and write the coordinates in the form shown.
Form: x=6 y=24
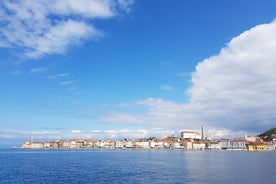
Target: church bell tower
x=202 y=132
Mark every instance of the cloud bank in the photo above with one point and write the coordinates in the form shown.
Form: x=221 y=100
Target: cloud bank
x=50 y=27
x=79 y=134
x=234 y=90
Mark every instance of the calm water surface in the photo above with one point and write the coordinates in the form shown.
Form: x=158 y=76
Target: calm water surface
x=138 y=166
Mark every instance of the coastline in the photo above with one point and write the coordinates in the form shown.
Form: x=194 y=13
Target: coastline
x=141 y=149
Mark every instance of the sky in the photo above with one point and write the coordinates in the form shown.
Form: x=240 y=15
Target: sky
x=111 y=69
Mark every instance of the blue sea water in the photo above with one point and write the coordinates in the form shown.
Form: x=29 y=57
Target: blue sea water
x=136 y=166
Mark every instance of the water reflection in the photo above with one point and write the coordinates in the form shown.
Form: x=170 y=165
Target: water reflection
x=229 y=167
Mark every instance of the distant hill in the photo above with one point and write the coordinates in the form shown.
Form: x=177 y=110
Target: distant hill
x=266 y=136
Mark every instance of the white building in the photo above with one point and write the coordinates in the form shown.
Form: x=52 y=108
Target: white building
x=159 y=144
x=91 y=143
x=187 y=145
x=108 y=144
x=66 y=144
x=250 y=138
x=119 y=144
x=32 y=145
x=213 y=145
x=49 y=144
x=143 y=144
x=190 y=135
x=166 y=144
x=234 y=144
x=37 y=145
x=129 y=144
x=27 y=145
x=176 y=145
x=73 y=144
x=273 y=137
x=198 y=145
x=152 y=144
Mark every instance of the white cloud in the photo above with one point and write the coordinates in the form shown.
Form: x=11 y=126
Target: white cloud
x=23 y=135
x=166 y=87
x=96 y=131
x=81 y=134
x=60 y=37
x=86 y=8
x=159 y=113
x=58 y=76
x=68 y=82
x=48 y=27
x=76 y=131
x=184 y=74
x=125 y=4
x=131 y=133
x=16 y=73
x=39 y=70
x=234 y=91
x=225 y=133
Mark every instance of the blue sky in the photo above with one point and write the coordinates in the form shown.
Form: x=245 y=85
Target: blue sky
x=119 y=68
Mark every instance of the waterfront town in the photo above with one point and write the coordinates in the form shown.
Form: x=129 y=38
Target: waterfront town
x=188 y=140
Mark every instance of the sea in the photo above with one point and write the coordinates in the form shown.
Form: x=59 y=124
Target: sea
x=136 y=166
